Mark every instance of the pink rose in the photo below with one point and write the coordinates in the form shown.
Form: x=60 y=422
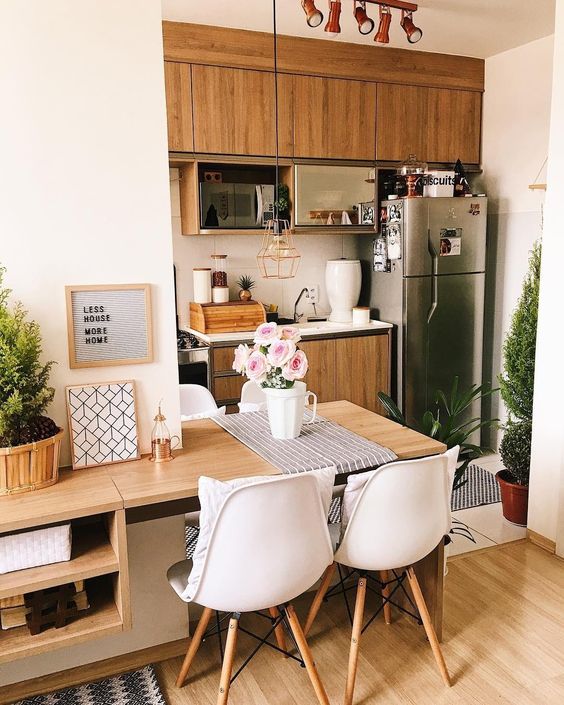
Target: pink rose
x=296 y=367
x=290 y=333
x=266 y=333
x=257 y=367
x=242 y=353
x=280 y=352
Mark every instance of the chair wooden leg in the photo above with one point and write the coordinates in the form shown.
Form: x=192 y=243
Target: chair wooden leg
x=355 y=639
x=227 y=667
x=279 y=631
x=194 y=646
x=319 y=595
x=306 y=655
x=428 y=624
x=384 y=577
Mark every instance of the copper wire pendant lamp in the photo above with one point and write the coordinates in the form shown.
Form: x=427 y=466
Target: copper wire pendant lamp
x=278 y=257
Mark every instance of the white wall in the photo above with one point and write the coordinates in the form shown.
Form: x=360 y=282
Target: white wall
x=196 y=251
x=516 y=121
x=547 y=475
x=84 y=195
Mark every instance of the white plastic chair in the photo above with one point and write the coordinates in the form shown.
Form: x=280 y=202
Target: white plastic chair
x=401 y=515
x=197 y=402
x=269 y=544
x=253 y=398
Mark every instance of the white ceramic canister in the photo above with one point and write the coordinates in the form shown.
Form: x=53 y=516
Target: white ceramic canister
x=202 y=285
x=343 y=279
x=220 y=294
x=286 y=410
x=361 y=316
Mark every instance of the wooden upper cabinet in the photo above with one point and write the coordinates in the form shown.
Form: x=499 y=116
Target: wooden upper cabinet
x=178 y=106
x=234 y=111
x=455 y=122
x=334 y=118
x=436 y=124
x=401 y=122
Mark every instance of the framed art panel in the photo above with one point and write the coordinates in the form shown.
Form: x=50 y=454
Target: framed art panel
x=109 y=324
x=102 y=423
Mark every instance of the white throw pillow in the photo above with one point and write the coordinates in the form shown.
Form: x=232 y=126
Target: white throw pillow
x=213 y=493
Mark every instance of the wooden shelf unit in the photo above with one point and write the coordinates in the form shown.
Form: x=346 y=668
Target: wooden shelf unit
x=101 y=619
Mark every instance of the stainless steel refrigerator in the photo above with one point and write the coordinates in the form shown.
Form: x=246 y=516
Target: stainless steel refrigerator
x=429 y=281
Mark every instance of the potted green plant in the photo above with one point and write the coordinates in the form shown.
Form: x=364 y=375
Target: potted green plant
x=446 y=422
x=29 y=441
x=246 y=284
x=517 y=389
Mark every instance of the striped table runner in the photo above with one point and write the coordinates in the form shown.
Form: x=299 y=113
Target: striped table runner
x=320 y=444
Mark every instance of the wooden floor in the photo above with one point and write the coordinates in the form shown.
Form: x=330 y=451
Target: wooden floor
x=503 y=643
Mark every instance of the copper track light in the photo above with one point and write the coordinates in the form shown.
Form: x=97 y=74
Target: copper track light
x=314 y=17
x=365 y=23
x=383 y=34
x=333 y=28
x=413 y=33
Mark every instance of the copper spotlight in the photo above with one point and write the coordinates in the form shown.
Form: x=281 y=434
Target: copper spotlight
x=333 y=27
x=383 y=34
x=414 y=34
x=314 y=17
x=365 y=23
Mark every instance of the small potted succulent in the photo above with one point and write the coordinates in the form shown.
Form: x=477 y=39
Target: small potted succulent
x=29 y=441
x=246 y=284
x=517 y=389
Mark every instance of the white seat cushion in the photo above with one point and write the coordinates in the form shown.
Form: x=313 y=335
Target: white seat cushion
x=213 y=493
x=335 y=534
x=178 y=574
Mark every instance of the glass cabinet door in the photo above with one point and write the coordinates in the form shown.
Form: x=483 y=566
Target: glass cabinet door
x=341 y=196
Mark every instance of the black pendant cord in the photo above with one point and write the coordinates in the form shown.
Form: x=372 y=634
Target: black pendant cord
x=277 y=175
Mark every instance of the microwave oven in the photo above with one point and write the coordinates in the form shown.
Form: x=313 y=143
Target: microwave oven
x=225 y=205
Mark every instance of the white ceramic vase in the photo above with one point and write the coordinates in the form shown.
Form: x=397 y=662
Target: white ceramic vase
x=286 y=410
x=343 y=278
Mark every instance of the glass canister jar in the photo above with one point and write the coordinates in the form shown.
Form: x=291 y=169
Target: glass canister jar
x=219 y=270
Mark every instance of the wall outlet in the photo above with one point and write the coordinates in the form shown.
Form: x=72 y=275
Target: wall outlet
x=313 y=293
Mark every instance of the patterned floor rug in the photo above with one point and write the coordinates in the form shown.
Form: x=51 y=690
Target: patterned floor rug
x=136 y=688
x=480 y=489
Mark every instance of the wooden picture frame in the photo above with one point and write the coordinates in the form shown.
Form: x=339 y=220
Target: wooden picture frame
x=116 y=326
x=99 y=434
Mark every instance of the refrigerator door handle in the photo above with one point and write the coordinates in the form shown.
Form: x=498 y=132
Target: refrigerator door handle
x=434 y=282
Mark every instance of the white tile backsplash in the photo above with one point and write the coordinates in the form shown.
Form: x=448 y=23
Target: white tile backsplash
x=315 y=248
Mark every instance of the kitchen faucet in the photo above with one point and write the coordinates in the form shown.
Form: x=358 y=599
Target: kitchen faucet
x=297 y=315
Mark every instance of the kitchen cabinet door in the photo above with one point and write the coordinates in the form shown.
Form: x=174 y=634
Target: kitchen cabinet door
x=334 y=118
x=362 y=367
x=436 y=124
x=401 y=124
x=454 y=122
x=178 y=89
x=321 y=373
x=234 y=111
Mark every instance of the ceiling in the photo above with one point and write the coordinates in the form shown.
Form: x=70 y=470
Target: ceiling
x=478 y=28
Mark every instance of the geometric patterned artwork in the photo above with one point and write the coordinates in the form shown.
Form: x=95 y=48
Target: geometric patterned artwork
x=103 y=423
x=137 y=688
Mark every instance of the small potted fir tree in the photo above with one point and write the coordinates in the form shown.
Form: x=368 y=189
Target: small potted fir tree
x=517 y=387
x=29 y=441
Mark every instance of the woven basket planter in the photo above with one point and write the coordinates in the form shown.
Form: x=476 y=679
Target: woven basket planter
x=31 y=466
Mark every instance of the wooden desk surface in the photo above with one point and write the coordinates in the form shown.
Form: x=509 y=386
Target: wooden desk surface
x=78 y=493
x=210 y=450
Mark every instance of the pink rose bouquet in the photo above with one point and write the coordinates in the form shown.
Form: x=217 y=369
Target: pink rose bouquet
x=275 y=361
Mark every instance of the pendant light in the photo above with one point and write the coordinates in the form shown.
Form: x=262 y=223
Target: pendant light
x=278 y=257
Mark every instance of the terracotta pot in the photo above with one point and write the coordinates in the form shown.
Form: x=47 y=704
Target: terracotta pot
x=245 y=295
x=514 y=498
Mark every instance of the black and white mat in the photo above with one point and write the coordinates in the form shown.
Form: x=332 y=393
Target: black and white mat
x=481 y=488
x=135 y=688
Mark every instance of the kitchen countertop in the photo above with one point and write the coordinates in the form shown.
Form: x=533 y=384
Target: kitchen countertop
x=309 y=330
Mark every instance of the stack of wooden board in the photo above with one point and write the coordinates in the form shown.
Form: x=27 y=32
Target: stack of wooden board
x=13 y=611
